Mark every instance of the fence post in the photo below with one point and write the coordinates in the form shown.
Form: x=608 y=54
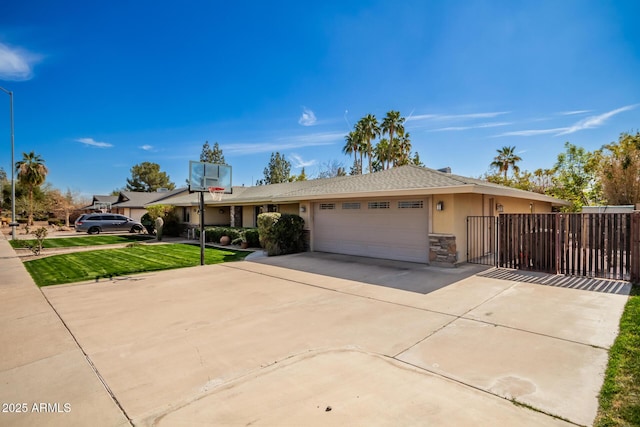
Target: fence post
x=634 y=270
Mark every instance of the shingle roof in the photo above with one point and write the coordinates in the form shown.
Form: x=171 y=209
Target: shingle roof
x=138 y=199
x=399 y=180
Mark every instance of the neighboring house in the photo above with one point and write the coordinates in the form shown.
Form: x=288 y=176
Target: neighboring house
x=100 y=203
x=131 y=203
x=406 y=213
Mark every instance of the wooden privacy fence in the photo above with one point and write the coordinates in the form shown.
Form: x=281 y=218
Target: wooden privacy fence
x=579 y=244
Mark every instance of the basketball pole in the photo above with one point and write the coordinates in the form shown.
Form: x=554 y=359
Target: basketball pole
x=202 y=228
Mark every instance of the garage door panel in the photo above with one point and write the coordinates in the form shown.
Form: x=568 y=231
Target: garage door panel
x=381 y=233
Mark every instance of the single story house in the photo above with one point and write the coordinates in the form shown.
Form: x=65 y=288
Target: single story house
x=407 y=213
x=131 y=204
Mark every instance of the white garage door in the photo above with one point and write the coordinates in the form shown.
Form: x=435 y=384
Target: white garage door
x=393 y=229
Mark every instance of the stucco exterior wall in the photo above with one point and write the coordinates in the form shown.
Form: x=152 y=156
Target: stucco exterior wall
x=442 y=220
x=291 y=208
x=457 y=207
x=306 y=215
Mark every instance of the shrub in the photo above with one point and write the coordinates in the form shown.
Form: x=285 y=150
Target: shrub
x=213 y=234
x=237 y=241
x=252 y=235
x=281 y=233
x=265 y=224
x=172 y=225
x=148 y=223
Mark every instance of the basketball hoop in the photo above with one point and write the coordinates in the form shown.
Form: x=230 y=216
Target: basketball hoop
x=216 y=193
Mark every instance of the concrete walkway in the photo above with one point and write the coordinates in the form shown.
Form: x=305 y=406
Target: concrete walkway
x=299 y=340
x=45 y=378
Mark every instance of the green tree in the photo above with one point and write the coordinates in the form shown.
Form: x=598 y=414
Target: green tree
x=32 y=173
x=369 y=130
x=147 y=177
x=575 y=178
x=212 y=155
x=381 y=154
x=301 y=177
x=277 y=171
x=391 y=124
x=505 y=160
x=356 y=167
x=415 y=160
x=618 y=168
x=353 y=145
x=402 y=154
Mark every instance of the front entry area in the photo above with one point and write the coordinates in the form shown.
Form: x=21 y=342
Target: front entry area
x=379 y=228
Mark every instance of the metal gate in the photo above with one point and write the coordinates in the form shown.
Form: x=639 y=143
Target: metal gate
x=482 y=240
x=577 y=244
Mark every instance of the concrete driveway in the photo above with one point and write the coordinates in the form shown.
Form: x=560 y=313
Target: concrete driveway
x=250 y=343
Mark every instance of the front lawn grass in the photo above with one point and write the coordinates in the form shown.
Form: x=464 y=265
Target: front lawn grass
x=620 y=394
x=70 y=242
x=81 y=266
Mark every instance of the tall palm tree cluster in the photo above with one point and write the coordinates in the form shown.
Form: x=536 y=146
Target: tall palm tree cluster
x=392 y=150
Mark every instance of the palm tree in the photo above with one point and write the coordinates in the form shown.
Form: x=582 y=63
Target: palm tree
x=381 y=152
x=391 y=124
x=505 y=160
x=369 y=130
x=31 y=172
x=403 y=149
x=352 y=145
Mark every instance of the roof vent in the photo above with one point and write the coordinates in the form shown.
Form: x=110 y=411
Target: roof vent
x=445 y=170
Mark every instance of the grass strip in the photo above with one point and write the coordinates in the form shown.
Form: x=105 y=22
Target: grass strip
x=70 y=242
x=620 y=393
x=89 y=265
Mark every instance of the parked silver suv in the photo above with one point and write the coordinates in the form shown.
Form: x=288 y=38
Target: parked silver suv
x=102 y=222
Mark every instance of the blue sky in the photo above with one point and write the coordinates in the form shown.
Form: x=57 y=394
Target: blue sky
x=102 y=86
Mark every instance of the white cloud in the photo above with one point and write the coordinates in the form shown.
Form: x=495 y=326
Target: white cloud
x=573 y=113
x=94 y=143
x=532 y=132
x=146 y=147
x=588 y=123
x=308 y=118
x=299 y=163
x=290 y=142
x=16 y=64
x=478 y=126
x=595 y=121
x=456 y=116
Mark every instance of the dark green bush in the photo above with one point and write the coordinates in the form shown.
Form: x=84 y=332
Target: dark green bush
x=252 y=235
x=282 y=233
x=213 y=234
x=172 y=225
x=148 y=223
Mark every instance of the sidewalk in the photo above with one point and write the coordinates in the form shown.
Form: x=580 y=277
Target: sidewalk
x=45 y=378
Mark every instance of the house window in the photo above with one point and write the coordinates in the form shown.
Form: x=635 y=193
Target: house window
x=410 y=204
x=327 y=206
x=351 y=205
x=379 y=205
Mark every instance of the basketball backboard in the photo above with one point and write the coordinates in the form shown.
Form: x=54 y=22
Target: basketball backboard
x=204 y=175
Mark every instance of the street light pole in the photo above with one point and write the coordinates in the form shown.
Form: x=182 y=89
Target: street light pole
x=13 y=168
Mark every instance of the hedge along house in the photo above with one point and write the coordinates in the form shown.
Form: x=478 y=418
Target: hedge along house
x=407 y=213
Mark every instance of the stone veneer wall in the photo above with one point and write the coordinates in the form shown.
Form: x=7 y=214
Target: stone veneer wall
x=443 y=250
